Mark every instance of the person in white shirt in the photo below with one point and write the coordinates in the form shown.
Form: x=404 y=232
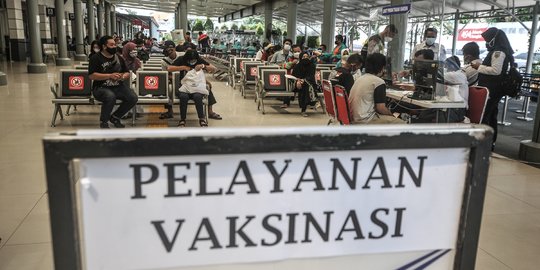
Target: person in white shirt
x=367 y=100
x=430 y=36
x=471 y=56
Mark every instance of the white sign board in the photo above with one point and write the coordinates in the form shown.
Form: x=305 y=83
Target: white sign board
x=179 y=211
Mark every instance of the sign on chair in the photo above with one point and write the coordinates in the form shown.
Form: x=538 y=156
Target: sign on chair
x=75 y=83
x=153 y=83
x=374 y=196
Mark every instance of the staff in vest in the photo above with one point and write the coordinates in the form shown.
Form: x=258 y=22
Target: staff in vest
x=492 y=71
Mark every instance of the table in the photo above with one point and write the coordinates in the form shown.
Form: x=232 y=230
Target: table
x=402 y=96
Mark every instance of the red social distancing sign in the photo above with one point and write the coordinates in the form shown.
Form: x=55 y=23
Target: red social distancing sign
x=76 y=83
x=151 y=82
x=275 y=80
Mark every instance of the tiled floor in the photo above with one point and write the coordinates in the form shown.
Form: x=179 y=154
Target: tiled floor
x=510 y=236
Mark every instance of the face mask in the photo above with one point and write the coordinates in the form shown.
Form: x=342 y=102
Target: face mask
x=287 y=47
x=111 y=50
x=430 y=41
x=296 y=55
x=388 y=39
x=181 y=53
x=133 y=54
x=337 y=42
x=96 y=50
x=192 y=62
x=345 y=57
x=305 y=61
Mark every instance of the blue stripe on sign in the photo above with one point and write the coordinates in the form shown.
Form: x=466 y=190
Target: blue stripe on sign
x=423 y=266
x=405 y=267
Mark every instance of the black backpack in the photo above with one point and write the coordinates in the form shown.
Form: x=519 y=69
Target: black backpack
x=512 y=81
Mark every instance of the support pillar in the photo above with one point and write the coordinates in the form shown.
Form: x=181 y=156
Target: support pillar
x=108 y=19
x=529 y=150
x=17 y=42
x=268 y=20
x=329 y=23
x=177 y=17
x=100 y=18
x=78 y=31
x=113 y=20
x=183 y=16
x=456 y=32
x=292 y=10
x=62 y=59
x=91 y=24
x=396 y=48
x=44 y=25
x=36 y=59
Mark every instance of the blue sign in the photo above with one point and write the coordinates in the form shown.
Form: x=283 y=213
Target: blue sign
x=391 y=10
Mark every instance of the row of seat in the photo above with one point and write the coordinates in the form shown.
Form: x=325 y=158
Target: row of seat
x=267 y=81
x=152 y=87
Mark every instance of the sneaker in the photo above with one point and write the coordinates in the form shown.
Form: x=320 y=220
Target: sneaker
x=104 y=125
x=304 y=114
x=116 y=122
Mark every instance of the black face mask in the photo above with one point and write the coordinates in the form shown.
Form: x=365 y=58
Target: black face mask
x=305 y=61
x=111 y=50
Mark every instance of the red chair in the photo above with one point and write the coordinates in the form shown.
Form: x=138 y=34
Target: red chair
x=342 y=105
x=478 y=97
x=329 y=102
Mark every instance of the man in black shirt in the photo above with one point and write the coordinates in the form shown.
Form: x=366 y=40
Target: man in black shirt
x=108 y=71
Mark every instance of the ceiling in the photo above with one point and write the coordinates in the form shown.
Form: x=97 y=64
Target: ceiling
x=206 y=8
x=311 y=11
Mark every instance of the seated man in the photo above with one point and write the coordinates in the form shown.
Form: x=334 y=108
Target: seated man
x=471 y=55
x=108 y=71
x=189 y=61
x=368 y=95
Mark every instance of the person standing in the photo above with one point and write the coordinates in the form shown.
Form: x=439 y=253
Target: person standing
x=109 y=71
x=376 y=43
x=430 y=36
x=492 y=73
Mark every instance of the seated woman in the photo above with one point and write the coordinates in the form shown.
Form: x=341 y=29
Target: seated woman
x=94 y=48
x=368 y=95
x=191 y=61
x=304 y=71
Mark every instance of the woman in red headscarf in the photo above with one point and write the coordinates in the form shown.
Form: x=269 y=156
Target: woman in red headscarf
x=129 y=53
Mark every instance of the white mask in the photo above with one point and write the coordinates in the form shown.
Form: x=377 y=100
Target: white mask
x=388 y=39
x=430 y=41
x=287 y=47
x=133 y=54
x=96 y=50
x=296 y=55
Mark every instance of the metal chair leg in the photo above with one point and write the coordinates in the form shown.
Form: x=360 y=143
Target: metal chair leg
x=68 y=109
x=55 y=112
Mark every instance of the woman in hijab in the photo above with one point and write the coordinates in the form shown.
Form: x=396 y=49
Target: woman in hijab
x=129 y=53
x=492 y=73
x=344 y=56
x=304 y=71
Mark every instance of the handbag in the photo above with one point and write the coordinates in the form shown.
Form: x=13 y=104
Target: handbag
x=194 y=82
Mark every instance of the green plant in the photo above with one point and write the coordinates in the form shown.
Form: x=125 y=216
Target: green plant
x=313 y=41
x=198 y=26
x=209 y=25
x=234 y=26
x=260 y=30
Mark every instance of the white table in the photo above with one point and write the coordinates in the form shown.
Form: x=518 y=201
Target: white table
x=402 y=97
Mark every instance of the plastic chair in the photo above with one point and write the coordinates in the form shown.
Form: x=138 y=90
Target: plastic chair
x=478 y=97
x=342 y=105
x=329 y=101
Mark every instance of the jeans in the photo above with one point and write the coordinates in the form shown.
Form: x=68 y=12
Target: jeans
x=109 y=95
x=184 y=98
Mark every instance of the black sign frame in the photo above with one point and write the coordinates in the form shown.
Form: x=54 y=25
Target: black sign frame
x=61 y=149
x=50 y=12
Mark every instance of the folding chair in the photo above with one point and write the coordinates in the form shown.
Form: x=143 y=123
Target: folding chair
x=329 y=101
x=478 y=97
x=342 y=105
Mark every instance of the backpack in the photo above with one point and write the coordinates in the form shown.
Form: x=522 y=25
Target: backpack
x=512 y=81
